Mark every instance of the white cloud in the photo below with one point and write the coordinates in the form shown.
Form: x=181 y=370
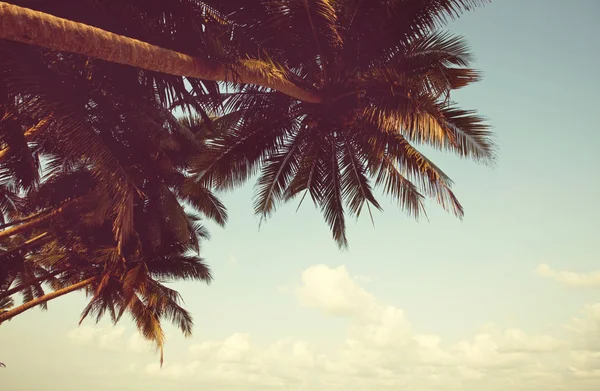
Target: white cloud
x=381 y=350
x=98 y=337
x=174 y=370
x=585 y=364
x=83 y=335
x=234 y=348
x=135 y=343
x=517 y=341
x=236 y=357
x=335 y=292
x=569 y=278
x=108 y=338
x=377 y=349
x=587 y=328
x=389 y=329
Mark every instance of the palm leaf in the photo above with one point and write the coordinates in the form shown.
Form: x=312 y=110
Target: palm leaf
x=401 y=189
x=203 y=200
x=276 y=174
x=332 y=205
x=356 y=188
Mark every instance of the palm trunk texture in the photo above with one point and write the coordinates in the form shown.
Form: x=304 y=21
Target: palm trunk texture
x=36 y=241
x=36 y=222
x=40 y=300
x=41 y=29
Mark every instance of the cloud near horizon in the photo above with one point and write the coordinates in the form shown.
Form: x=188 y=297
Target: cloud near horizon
x=111 y=339
x=569 y=278
x=380 y=350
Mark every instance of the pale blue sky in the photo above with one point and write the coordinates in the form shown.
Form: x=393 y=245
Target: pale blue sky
x=452 y=279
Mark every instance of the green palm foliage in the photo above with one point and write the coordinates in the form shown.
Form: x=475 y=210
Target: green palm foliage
x=386 y=72
x=94 y=182
x=104 y=188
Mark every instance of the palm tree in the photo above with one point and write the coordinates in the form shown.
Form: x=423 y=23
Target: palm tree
x=113 y=188
x=65 y=107
x=83 y=254
x=382 y=73
x=64 y=230
x=386 y=71
x=161 y=187
x=331 y=100
x=119 y=283
x=33 y=27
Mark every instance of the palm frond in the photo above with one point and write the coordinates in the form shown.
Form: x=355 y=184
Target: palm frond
x=332 y=205
x=356 y=187
x=180 y=267
x=6 y=304
x=203 y=200
x=422 y=120
x=276 y=174
x=400 y=188
x=148 y=324
x=166 y=301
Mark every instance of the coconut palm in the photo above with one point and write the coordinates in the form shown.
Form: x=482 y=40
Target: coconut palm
x=328 y=98
x=120 y=282
x=84 y=254
x=68 y=237
x=385 y=71
x=42 y=29
x=73 y=109
x=380 y=71
x=161 y=188
x=110 y=201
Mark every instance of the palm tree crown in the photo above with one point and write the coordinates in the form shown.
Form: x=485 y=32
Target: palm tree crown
x=385 y=71
x=102 y=188
x=95 y=192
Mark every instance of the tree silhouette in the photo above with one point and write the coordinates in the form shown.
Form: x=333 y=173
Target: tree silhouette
x=103 y=187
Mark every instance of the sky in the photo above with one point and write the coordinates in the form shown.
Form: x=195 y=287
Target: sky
x=508 y=298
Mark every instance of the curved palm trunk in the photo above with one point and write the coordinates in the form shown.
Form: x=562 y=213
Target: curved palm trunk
x=38 y=28
x=43 y=299
x=27 y=244
x=36 y=220
x=23 y=220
